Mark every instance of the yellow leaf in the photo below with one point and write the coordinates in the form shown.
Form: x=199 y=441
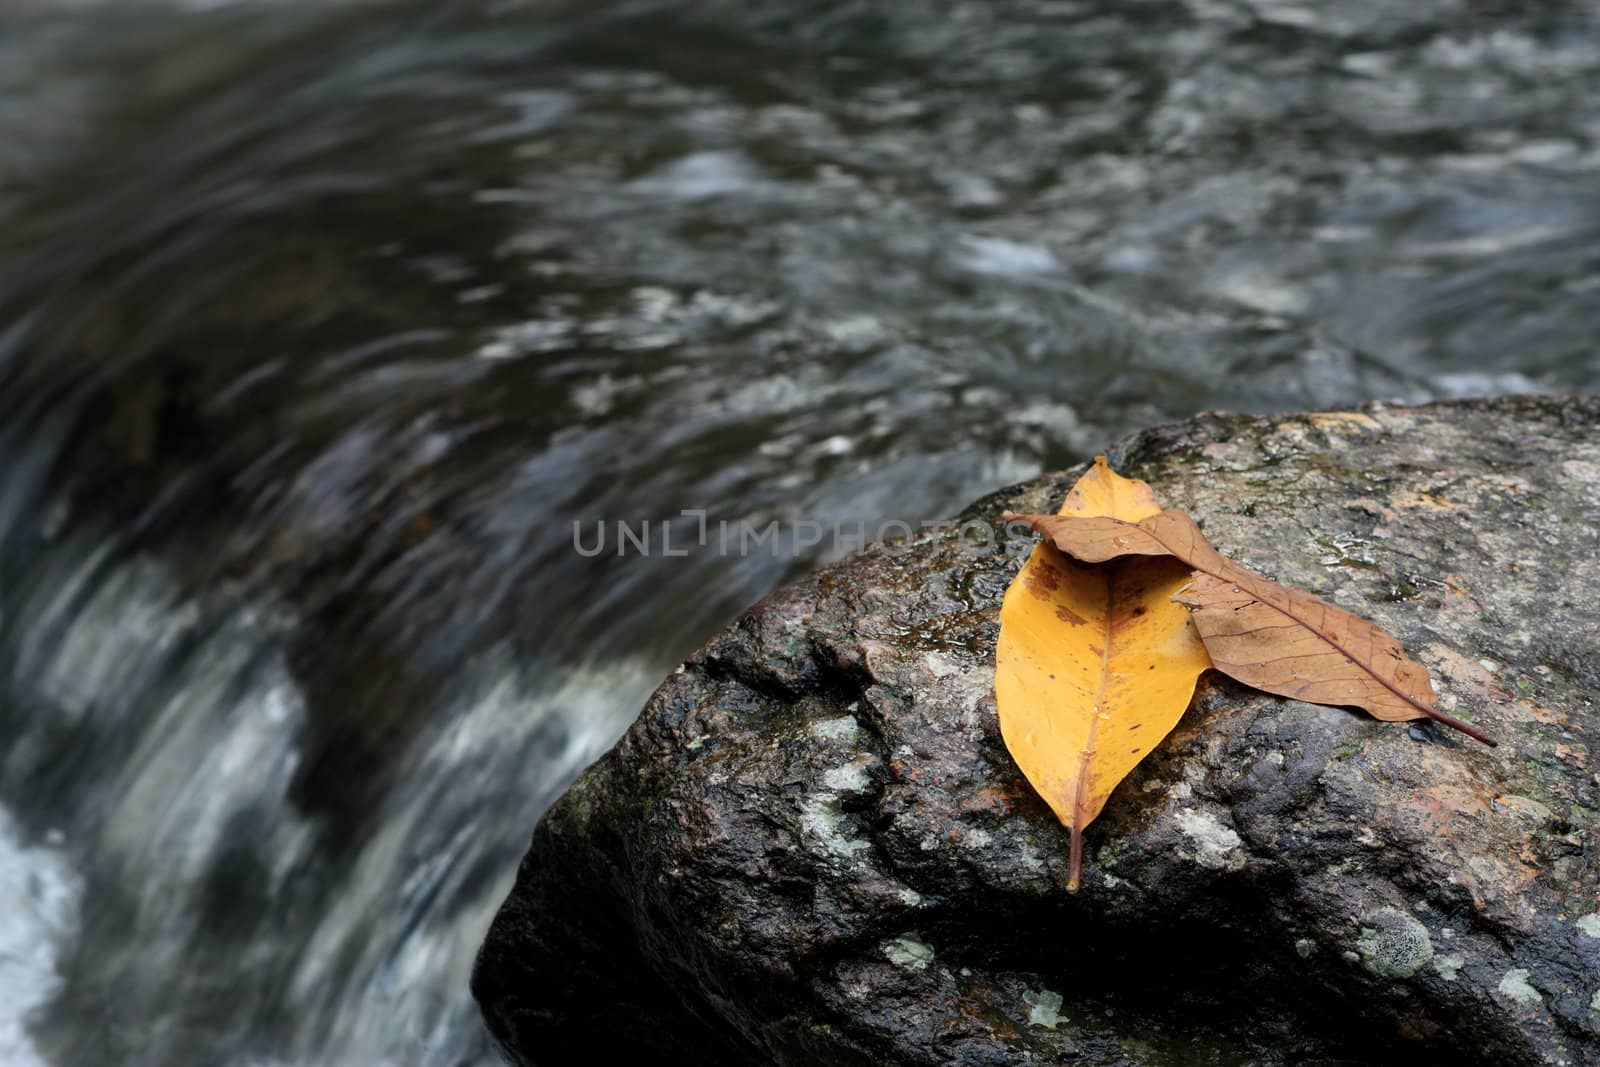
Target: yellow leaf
x=1095 y=664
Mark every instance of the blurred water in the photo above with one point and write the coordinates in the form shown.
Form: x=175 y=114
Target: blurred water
x=320 y=324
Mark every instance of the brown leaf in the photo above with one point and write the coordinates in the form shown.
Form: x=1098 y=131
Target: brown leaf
x=1279 y=639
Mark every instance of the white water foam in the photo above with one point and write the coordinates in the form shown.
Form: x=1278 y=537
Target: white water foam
x=39 y=896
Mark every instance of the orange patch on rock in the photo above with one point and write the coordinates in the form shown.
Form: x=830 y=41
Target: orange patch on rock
x=1337 y=421
x=1466 y=675
x=989 y=799
x=1576 y=755
x=1422 y=500
x=1550 y=716
x=1439 y=808
x=1448 y=804
x=1458 y=599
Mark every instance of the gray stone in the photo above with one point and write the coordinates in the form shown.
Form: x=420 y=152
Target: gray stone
x=812 y=847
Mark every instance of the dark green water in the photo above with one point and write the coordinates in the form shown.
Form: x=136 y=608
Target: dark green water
x=320 y=325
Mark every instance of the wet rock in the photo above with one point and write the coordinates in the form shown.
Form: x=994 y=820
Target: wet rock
x=813 y=848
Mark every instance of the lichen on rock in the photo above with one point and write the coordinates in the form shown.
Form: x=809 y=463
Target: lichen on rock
x=1214 y=844
x=1393 y=944
x=1515 y=985
x=909 y=951
x=1044 y=1008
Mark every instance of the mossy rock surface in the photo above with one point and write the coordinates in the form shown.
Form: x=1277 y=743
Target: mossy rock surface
x=812 y=847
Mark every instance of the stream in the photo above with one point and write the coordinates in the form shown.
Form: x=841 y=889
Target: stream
x=332 y=332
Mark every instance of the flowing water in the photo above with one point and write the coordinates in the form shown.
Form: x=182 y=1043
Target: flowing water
x=321 y=324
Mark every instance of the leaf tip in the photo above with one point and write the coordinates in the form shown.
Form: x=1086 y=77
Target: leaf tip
x=1476 y=734
x=1451 y=721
